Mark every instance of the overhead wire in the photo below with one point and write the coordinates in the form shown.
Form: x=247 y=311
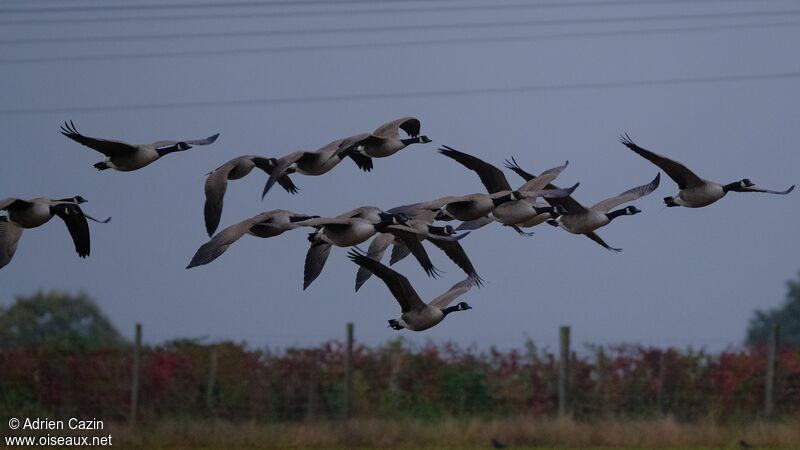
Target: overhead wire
x=425 y=8
x=399 y=28
x=352 y=97
x=71 y=58
x=283 y=3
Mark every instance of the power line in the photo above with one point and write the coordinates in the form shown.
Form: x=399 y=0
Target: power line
x=350 y=12
x=374 y=45
x=161 y=6
x=412 y=94
x=402 y=27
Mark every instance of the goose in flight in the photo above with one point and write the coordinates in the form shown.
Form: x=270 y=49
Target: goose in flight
x=36 y=212
x=126 y=157
x=581 y=220
x=416 y=315
x=694 y=192
x=384 y=141
x=265 y=225
x=314 y=163
x=347 y=232
x=558 y=206
x=514 y=213
x=420 y=221
x=217 y=184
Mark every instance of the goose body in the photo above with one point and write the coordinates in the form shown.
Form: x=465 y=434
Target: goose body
x=415 y=314
x=695 y=192
x=339 y=232
x=217 y=184
x=346 y=232
x=419 y=227
x=522 y=213
x=22 y=214
x=126 y=157
x=313 y=163
x=581 y=220
x=514 y=212
x=384 y=141
x=265 y=225
x=559 y=204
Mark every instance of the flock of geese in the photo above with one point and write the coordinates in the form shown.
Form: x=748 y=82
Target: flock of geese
x=404 y=227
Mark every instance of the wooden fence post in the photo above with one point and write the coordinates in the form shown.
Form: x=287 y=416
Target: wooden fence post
x=563 y=371
x=661 y=398
x=348 y=373
x=212 y=378
x=137 y=355
x=313 y=387
x=769 y=385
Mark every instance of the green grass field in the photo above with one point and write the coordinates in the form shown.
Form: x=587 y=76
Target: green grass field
x=459 y=434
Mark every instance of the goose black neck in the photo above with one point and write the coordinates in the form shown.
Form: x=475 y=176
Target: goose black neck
x=439 y=231
x=544 y=209
x=409 y=141
x=450 y=309
x=614 y=214
x=500 y=200
x=385 y=222
x=263 y=164
x=171 y=149
x=735 y=187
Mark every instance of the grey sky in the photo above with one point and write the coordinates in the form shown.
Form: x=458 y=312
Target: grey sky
x=685 y=277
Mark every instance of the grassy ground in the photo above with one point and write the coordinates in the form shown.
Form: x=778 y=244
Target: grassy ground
x=452 y=434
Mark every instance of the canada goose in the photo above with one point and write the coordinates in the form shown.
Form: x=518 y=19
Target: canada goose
x=347 y=232
x=317 y=162
x=581 y=220
x=126 y=157
x=511 y=211
x=265 y=225
x=406 y=236
x=384 y=141
x=476 y=206
x=694 y=192
x=560 y=209
x=420 y=221
x=217 y=184
x=33 y=213
x=516 y=213
x=416 y=315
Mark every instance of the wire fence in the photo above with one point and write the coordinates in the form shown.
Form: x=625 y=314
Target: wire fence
x=396 y=380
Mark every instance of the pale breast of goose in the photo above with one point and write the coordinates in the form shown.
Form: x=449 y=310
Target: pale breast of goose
x=518 y=212
x=242 y=166
x=421 y=319
x=584 y=222
x=699 y=196
x=36 y=215
x=357 y=232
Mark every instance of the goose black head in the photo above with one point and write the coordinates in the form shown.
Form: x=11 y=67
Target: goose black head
x=424 y=139
x=394 y=219
x=449 y=230
x=463 y=306
x=738 y=186
x=516 y=195
x=183 y=146
x=272 y=161
x=401 y=218
x=76 y=199
x=626 y=211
